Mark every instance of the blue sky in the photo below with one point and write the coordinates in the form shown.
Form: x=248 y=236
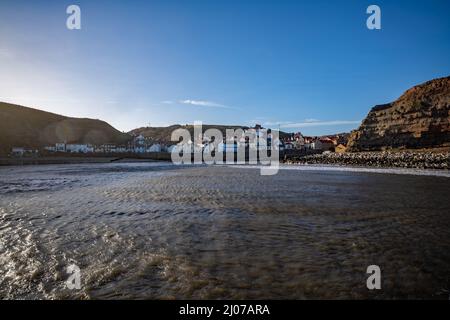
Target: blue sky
x=309 y=66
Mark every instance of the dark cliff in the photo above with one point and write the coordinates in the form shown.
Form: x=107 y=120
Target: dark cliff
x=420 y=118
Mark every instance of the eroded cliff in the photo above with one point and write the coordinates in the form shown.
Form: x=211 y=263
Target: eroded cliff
x=420 y=118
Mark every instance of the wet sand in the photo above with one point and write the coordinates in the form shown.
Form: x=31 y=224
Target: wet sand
x=156 y=231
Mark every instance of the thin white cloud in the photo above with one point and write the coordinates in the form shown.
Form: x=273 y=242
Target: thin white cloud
x=203 y=103
x=311 y=120
x=276 y=123
x=198 y=103
x=317 y=123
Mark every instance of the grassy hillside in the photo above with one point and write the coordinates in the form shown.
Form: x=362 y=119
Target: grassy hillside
x=26 y=127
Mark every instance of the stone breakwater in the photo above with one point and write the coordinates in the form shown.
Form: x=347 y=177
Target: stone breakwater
x=405 y=159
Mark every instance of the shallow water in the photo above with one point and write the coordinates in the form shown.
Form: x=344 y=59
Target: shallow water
x=153 y=231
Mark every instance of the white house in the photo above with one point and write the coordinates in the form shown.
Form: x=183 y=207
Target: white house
x=79 y=148
x=299 y=144
x=19 y=151
x=139 y=149
x=322 y=144
x=187 y=147
x=229 y=147
x=60 y=147
x=208 y=148
x=121 y=149
x=278 y=145
x=172 y=148
x=139 y=140
x=154 y=148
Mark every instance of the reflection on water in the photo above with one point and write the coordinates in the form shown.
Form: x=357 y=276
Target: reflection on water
x=157 y=231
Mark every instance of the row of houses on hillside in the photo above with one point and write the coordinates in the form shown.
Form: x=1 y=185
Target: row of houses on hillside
x=21 y=151
x=255 y=138
x=297 y=141
x=104 y=148
x=243 y=138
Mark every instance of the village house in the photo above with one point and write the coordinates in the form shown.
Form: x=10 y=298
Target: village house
x=328 y=144
x=72 y=148
x=105 y=148
x=227 y=147
x=20 y=151
x=139 y=140
x=185 y=147
x=278 y=145
x=288 y=146
x=298 y=141
x=324 y=144
x=154 y=148
x=172 y=148
x=60 y=147
x=298 y=145
x=79 y=148
x=199 y=147
x=140 y=149
x=121 y=149
x=308 y=143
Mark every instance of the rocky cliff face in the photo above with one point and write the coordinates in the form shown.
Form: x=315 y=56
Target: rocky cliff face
x=420 y=118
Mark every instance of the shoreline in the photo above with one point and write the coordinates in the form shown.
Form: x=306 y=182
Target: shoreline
x=7 y=162
x=370 y=159
x=366 y=169
x=382 y=159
